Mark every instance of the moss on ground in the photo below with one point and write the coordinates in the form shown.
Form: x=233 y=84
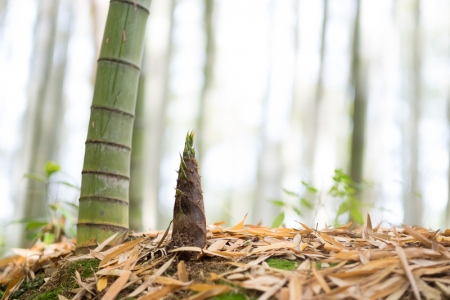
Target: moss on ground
x=284 y=264
x=231 y=296
x=27 y=286
x=60 y=283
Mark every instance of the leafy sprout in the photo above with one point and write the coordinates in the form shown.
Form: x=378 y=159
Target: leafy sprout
x=62 y=219
x=344 y=189
x=302 y=204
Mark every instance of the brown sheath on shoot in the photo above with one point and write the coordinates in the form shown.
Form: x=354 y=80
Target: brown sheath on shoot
x=189 y=222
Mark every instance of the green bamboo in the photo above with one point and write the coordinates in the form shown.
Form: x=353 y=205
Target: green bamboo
x=137 y=157
x=106 y=170
x=358 y=81
x=208 y=76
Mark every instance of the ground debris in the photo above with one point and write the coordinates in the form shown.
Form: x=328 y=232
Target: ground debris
x=364 y=263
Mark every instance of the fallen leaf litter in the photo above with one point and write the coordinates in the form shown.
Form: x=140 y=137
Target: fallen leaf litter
x=365 y=263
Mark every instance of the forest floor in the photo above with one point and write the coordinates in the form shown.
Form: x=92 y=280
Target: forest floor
x=242 y=262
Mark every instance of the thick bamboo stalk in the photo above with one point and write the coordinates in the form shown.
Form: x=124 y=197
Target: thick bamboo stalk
x=137 y=157
x=106 y=169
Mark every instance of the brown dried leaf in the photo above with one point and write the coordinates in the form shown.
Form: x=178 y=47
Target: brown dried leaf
x=102 y=283
x=160 y=293
x=295 y=288
x=119 y=250
x=117 y=286
x=163 y=280
x=13 y=286
x=240 y=225
x=409 y=275
x=100 y=247
x=181 y=272
x=320 y=279
x=152 y=278
x=273 y=290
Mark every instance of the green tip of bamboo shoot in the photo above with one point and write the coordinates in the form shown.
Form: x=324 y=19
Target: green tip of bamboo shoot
x=189 y=150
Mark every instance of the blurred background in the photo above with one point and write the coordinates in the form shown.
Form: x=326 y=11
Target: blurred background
x=279 y=92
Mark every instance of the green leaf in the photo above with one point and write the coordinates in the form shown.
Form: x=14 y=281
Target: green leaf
x=297 y=211
x=71 y=232
x=278 y=203
x=309 y=187
x=31 y=225
x=35 y=177
x=278 y=220
x=73 y=205
x=31 y=236
x=356 y=215
x=189 y=150
x=67 y=214
x=49 y=238
x=25 y=220
x=307 y=203
x=69 y=184
x=51 y=167
x=350 y=190
x=343 y=208
x=290 y=193
x=53 y=206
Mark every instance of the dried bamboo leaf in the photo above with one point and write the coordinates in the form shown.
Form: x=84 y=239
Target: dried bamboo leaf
x=119 y=250
x=160 y=293
x=386 y=288
x=180 y=249
x=100 y=247
x=152 y=278
x=445 y=289
x=320 y=280
x=163 y=280
x=399 y=292
x=427 y=291
x=335 y=243
x=409 y=275
x=82 y=284
x=273 y=246
x=308 y=230
x=102 y=283
x=117 y=286
x=217 y=245
x=273 y=290
x=295 y=288
x=181 y=272
x=240 y=225
x=13 y=286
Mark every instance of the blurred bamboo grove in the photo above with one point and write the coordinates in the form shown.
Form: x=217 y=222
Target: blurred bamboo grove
x=278 y=92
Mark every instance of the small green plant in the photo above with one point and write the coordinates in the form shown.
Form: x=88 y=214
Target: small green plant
x=2 y=244
x=343 y=189
x=62 y=214
x=302 y=203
